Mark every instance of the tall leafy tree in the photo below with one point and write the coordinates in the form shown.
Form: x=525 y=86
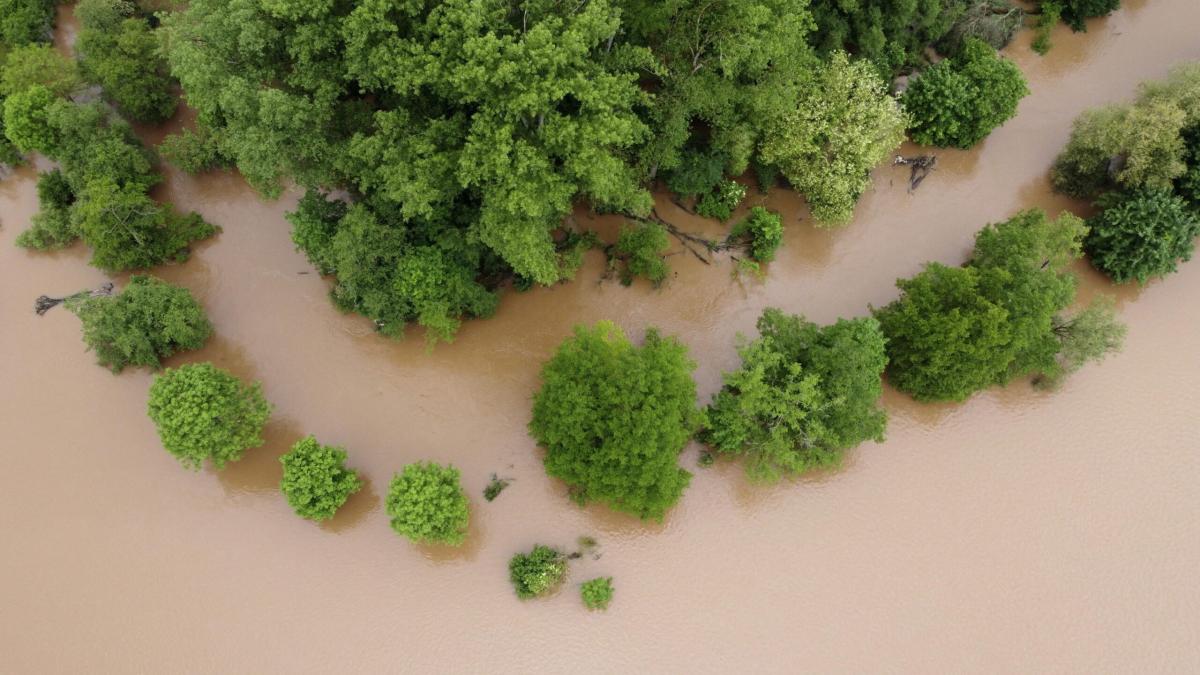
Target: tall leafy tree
x=118 y=51
x=893 y=34
x=315 y=480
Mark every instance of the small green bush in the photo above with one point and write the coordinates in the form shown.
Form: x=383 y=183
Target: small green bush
x=1051 y=13
x=204 y=412
x=427 y=504
x=721 y=202
x=316 y=481
x=764 y=229
x=597 y=593
x=52 y=225
x=537 y=572
x=1141 y=235
x=1074 y=12
x=148 y=321
x=641 y=247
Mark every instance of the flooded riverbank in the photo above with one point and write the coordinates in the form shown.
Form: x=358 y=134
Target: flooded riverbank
x=1019 y=531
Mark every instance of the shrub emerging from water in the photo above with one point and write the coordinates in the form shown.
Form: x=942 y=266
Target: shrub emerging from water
x=148 y=321
x=52 y=226
x=204 y=412
x=613 y=418
x=316 y=481
x=803 y=395
x=960 y=100
x=597 y=593
x=427 y=504
x=641 y=248
x=764 y=230
x=721 y=202
x=537 y=572
x=1142 y=235
x=1090 y=335
x=1074 y=12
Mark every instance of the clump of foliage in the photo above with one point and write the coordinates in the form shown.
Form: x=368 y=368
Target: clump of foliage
x=537 y=572
x=203 y=412
x=25 y=21
x=427 y=504
x=1051 y=12
x=613 y=418
x=956 y=330
x=891 y=34
x=495 y=487
x=38 y=64
x=640 y=247
x=597 y=593
x=1141 y=235
x=960 y=100
x=698 y=173
x=1134 y=146
x=1074 y=12
x=52 y=227
x=803 y=395
x=1089 y=336
x=396 y=271
x=720 y=202
x=764 y=231
x=148 y=321
x=843 y=124
x=193 y=151
x=118 y=50
x=994 y=22
x=316 y=481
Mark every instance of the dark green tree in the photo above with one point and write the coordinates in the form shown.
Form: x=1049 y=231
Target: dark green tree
x=146 y=322
x=316 y=481
x=427 y=504
x=118 y=50
x=802 y=396
x=613 y=418
x=1141 y=235
x=960 y=100
x=203 y=412
x=893 y=34
x=25 y=21
x=537 y=572
x=1074 y=12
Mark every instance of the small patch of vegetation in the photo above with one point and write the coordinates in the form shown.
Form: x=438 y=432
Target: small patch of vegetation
x=721 y=201
x=597 y=593
x=1141 y=235
x=427 y=504
x=537 y=572
x=640 y=248
x=764 y=231
x=1051 y=12
x=316 y=481
x=495 y=487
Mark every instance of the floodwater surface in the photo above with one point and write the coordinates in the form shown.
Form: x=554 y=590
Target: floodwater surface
x=1021 y=531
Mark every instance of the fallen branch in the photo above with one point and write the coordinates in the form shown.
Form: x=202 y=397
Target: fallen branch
x=44 y=302
x=921 y=166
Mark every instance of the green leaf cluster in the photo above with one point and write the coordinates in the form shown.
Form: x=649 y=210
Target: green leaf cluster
x=613 y=418
x=1074 y=12
x=893 y=34
x=1141 y=235
x=52 y=226
x=25 y=21
x=722 y=200
x=537 y=572
x=803 y=395
x=38 y=64
x=427 y=504
x=960 y=100
x=118 y=50
x=316 y=481
x=146 y=322
x=203 y=412
x=597 y=593
x=764 y=230
x=957 y=330
x=641 y=248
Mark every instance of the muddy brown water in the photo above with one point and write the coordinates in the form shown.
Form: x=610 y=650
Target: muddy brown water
x=1018 y=532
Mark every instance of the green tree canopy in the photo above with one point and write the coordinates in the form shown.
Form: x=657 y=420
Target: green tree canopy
x=118 y=50
x=893 y=34
x=1141 y=235
x=613 y=418
x=25 y=21
x=1074 y=12
x=34 y=64
x=146 y=322
x=960 y=100
x=316 y=481
x=427 y=504
x=597 y=593
x=802 y=396
x=537 y=572
x=204 y=412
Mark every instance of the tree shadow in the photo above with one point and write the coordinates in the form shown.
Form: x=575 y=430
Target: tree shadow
x=259 y=469
x=442 y=554
x=357 y=507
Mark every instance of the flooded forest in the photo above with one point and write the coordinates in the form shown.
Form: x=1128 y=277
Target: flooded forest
x=1022 y=530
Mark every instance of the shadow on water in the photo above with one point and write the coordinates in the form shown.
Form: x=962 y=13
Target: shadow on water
x=357 y=507
x=259 y=469
x=442 y=554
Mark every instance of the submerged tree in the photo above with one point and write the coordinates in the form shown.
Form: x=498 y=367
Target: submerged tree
x=147 y=322
x=597 y=593
x=802 y=396
x=203 y=412
x=537 y=572
x=613 y=418
x=427 y=504
x=1141 y=235
x=316 y=481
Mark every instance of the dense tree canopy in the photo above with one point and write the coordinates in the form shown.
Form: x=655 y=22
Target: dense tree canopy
x=960 y=100
x=1141 y=235
x=38 y=63
x=891 y=33
x=1074 y=12
x=203 y=412
x=613 y=418
x=146 y=322
x=803 y=395
x=316 y=481
x=427 y=504
x=956 y=330
x=118 y=50
x=25 y=21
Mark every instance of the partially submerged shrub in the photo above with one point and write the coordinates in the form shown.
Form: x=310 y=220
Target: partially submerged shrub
x=641 y=248
x=537 y=572
x=147 y=322
x=721 y=202
x=1141 y=235
x=204 y=412
x=764 y=230
x=597 y=593
x=52 y=226
x=1074 y=12
x=427 y=504
x=316 y=481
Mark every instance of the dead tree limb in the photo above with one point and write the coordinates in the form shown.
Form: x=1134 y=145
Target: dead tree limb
x=44 y=302
x=920 y=168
